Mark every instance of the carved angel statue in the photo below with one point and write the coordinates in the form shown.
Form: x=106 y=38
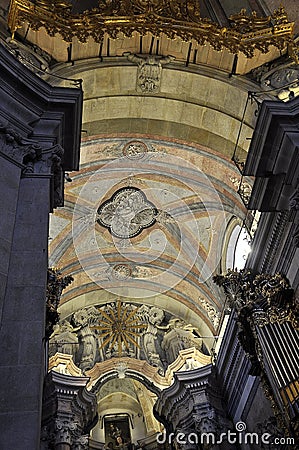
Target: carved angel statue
x=64 y=339
x=88 y=342
x=180 y=336
x=153 y=317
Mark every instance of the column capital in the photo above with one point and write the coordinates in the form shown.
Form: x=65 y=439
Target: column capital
x=81 y=443
x=34 y=158
x=65 y=431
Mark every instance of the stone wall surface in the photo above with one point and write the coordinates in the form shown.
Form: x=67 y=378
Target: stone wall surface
x=34 y=118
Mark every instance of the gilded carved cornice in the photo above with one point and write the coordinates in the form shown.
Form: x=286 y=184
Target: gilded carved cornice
x=262 y=297
x=175 y=19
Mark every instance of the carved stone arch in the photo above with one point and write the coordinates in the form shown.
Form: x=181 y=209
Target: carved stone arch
x=134 y=374
x=146 y=397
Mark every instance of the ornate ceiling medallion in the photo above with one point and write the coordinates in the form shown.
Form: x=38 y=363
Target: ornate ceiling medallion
x=175 y=19
x=135 y=150
x=127 y=213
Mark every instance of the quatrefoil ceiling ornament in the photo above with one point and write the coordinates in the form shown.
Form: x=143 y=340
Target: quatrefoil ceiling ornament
x=127 y=213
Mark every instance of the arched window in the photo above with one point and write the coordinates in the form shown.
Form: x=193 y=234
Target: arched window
x=238 y=247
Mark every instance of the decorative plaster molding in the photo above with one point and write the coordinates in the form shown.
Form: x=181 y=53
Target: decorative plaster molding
x=127 y=213
x=62 y=363
x=149 y=72
x=100 y=370
x=195 y=357
x=121 y=329
x=213 y=314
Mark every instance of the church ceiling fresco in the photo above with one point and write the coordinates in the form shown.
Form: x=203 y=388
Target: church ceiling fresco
x=169 y=262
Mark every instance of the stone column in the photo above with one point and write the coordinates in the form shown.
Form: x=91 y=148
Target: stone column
x=193 y=405
x=23 y=283
x=69 y=412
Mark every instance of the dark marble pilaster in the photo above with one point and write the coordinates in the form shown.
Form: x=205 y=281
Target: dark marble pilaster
x=39 y=139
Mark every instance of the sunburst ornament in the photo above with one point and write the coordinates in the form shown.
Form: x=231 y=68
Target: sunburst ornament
x=119 y=327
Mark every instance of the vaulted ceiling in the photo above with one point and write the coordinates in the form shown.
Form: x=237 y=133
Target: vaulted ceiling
x=165 y=109
x=154 y=210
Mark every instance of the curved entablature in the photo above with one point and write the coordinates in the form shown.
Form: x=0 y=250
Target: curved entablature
x=124 y=367
x=191 y=105
x=135 y=369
